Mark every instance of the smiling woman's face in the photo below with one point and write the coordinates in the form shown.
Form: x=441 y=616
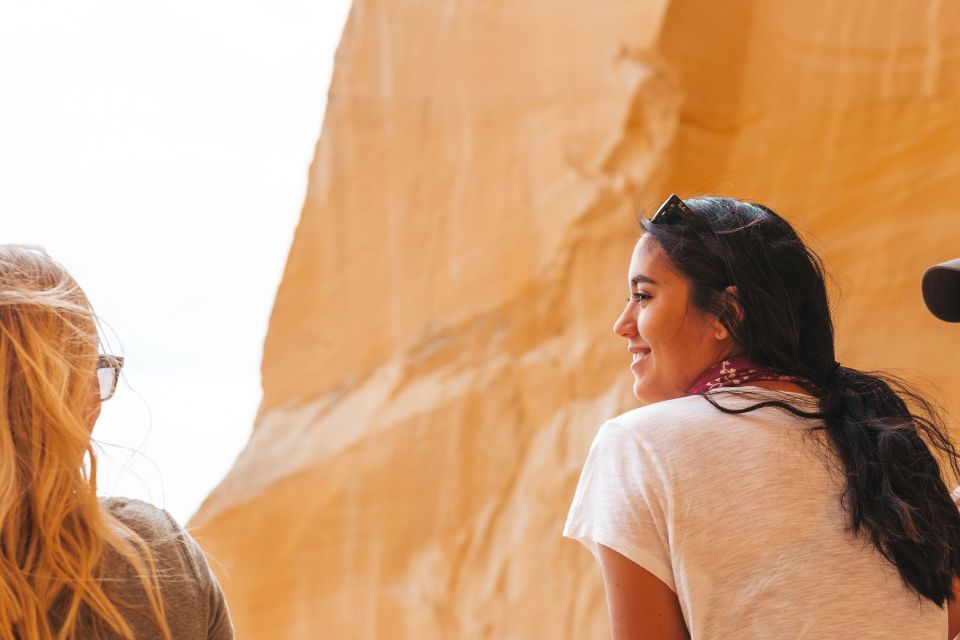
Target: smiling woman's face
x=670 y=341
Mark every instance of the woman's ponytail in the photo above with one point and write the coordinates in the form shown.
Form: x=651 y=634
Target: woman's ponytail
x=895 y=492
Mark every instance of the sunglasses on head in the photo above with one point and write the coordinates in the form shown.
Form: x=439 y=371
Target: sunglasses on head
x=108 y=375
x=672 y=211
x=675 y=211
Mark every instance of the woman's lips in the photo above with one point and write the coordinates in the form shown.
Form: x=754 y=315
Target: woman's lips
x=639 y=357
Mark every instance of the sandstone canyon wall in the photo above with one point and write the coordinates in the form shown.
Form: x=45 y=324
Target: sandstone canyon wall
x=440 y=352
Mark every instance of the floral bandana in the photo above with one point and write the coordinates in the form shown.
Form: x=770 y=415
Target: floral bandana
x=740 y=370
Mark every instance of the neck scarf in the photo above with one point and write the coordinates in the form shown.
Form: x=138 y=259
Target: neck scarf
x=740 y=370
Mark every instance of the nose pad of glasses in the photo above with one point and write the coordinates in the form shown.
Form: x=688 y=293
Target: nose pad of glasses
x=108 y=382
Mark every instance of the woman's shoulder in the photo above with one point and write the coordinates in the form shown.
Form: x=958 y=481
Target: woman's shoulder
x=652 y=429
x=167 y=539
x=144 y=518
x=194 y=600
x=680 y=417
x=663 y=414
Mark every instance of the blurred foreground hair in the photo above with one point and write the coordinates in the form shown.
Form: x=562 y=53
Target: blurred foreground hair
x=54 y=534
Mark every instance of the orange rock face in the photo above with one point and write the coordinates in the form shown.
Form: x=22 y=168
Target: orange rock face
x=440 y=354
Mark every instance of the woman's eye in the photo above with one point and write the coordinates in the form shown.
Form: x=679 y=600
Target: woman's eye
x=639 y=296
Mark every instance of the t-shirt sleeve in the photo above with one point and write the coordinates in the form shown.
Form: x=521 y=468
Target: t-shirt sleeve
x=194 y=602
x=221 y=627
x=619 y=503
x=219 y=624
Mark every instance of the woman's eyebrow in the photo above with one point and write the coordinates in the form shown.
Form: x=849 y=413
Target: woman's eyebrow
x=640 y=278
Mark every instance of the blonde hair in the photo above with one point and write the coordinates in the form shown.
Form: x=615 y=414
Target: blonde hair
x=54 y=533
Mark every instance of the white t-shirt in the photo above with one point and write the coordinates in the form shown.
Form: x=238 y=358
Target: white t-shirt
x=740 y=515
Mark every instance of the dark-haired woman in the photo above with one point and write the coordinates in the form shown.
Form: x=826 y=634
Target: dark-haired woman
x=767 y=491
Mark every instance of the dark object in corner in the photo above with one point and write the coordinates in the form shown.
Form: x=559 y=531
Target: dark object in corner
x=941 y=290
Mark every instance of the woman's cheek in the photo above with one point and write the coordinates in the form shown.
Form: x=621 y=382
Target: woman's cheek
x=646 y=326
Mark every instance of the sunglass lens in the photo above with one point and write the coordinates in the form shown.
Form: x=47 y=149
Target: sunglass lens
x=107 y=377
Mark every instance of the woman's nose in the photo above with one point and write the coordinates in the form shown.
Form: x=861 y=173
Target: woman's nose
x=626 y=324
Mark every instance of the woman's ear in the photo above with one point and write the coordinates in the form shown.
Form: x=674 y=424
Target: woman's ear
x=731 y=309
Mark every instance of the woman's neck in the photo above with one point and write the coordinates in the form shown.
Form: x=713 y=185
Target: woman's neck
x=739 y=370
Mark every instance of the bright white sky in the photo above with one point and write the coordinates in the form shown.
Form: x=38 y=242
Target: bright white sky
x=160 y=150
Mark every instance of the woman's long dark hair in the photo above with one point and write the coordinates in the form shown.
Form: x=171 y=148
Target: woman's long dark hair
x=881 y=427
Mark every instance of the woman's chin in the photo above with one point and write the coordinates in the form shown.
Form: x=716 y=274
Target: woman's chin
x=648 y=394
x=641 y=392
x=642 y=389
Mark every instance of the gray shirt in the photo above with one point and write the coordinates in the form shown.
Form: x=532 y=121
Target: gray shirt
x=193 y=600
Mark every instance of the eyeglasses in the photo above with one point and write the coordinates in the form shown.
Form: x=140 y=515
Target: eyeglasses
x=675 y=211
x=108 y=375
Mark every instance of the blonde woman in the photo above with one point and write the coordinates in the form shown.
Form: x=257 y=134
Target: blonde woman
x=72 y=565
